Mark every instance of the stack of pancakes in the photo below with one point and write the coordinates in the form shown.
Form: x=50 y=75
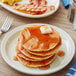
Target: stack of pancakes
x=35 y=49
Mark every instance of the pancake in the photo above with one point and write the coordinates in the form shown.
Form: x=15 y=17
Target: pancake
x=25 y=34
x=26 y=53
x=42 y=2
x=33 y=40
x=45 y=67
x=44 y=53
x=20 y=54
x=34 y=2
x=32 y=56
x=35 y=64
x=33 y=26
x=25 y=57
x=38 y=2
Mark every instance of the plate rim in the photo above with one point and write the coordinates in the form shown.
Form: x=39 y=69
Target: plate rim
x=13 y=66
x=28 y=15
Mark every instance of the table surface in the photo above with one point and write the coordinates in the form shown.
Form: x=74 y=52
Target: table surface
x=58 y=19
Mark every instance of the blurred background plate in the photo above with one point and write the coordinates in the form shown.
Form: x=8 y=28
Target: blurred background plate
x=56 y=3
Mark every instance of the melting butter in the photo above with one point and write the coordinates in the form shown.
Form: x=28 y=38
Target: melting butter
x=45 y=30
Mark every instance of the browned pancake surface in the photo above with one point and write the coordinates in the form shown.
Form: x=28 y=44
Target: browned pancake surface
x=44 y=53
x=36 y=63
x=33 y=40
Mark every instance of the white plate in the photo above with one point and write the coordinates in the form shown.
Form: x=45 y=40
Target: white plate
x=8 y=52
x=56 y=3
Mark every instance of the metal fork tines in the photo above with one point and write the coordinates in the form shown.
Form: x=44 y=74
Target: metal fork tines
x=6 y=25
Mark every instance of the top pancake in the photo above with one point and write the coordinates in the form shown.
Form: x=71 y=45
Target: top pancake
x=32 y=39
x=44 y=53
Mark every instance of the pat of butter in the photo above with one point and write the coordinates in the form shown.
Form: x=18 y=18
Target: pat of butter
x=45 y=30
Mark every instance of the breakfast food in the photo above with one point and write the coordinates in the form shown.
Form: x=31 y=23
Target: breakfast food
x=37 y=47
x=35 y=7
x=61 y=53
x=10 y=2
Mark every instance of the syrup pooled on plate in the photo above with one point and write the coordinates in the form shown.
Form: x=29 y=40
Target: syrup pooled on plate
x=61 y=53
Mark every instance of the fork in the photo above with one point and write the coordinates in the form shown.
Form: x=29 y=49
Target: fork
x=6 y=25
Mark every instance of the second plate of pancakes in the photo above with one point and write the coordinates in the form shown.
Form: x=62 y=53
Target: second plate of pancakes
x=36 y=57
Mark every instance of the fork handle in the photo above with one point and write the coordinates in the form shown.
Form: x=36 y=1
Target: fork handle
x=1 y=32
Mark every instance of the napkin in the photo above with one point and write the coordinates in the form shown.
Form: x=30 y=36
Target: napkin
x=72 y=70
x=66 y=3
